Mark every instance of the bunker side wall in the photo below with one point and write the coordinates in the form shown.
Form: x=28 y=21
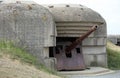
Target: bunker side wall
x=94 y=48
x=29 y=26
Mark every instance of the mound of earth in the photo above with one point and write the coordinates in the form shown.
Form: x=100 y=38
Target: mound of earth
x=15 y=69
x=112 y=46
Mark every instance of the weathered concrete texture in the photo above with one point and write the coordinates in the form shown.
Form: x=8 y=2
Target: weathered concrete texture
x=95 y=55
x=94 y=41
x=74 y=13
x=95 y=59
x=32 y=26
x=94 y=50
x=19 y=1
x=29 y=25
x=75 y=20
x=80 y=15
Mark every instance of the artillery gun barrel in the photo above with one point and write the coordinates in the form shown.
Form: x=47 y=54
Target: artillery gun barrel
x=80 y=39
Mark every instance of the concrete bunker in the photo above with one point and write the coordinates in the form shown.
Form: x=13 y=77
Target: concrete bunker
x=72 y=22
x=29 y=26
x=47 y=32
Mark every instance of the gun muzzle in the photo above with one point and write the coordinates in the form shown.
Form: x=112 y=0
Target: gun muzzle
x=94 y=27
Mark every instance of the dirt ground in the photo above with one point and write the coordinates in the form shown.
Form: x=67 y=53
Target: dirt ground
x=15 y=69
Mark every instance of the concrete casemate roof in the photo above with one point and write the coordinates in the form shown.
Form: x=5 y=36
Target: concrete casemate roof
x=32 y=20
x=74 y=12
x=20 y=1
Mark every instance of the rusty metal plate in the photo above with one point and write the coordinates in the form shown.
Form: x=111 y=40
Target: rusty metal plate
x=75 y=62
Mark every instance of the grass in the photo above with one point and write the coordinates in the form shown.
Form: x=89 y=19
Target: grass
x=113 y=57
x=8 y=48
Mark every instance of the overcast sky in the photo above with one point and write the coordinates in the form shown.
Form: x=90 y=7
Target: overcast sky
x=109 y=9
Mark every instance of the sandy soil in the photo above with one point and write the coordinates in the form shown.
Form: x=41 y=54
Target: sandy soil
x=14 y=69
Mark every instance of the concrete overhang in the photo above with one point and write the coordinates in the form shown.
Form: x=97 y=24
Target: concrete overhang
x=74 y=13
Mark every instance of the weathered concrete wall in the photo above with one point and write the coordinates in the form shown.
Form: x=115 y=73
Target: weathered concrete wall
x=30 y=26
x=94 y=47
x=65 y=13
x=14 y=1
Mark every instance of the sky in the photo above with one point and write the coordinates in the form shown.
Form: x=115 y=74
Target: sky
x=109 y=9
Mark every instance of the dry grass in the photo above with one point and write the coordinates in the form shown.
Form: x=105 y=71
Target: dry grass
x=15 y=62
x=113 y=47
x=15 y=69
x=113 y=54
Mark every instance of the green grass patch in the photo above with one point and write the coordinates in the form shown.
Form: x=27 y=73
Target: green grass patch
x=113 y=59
x=7 y=47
